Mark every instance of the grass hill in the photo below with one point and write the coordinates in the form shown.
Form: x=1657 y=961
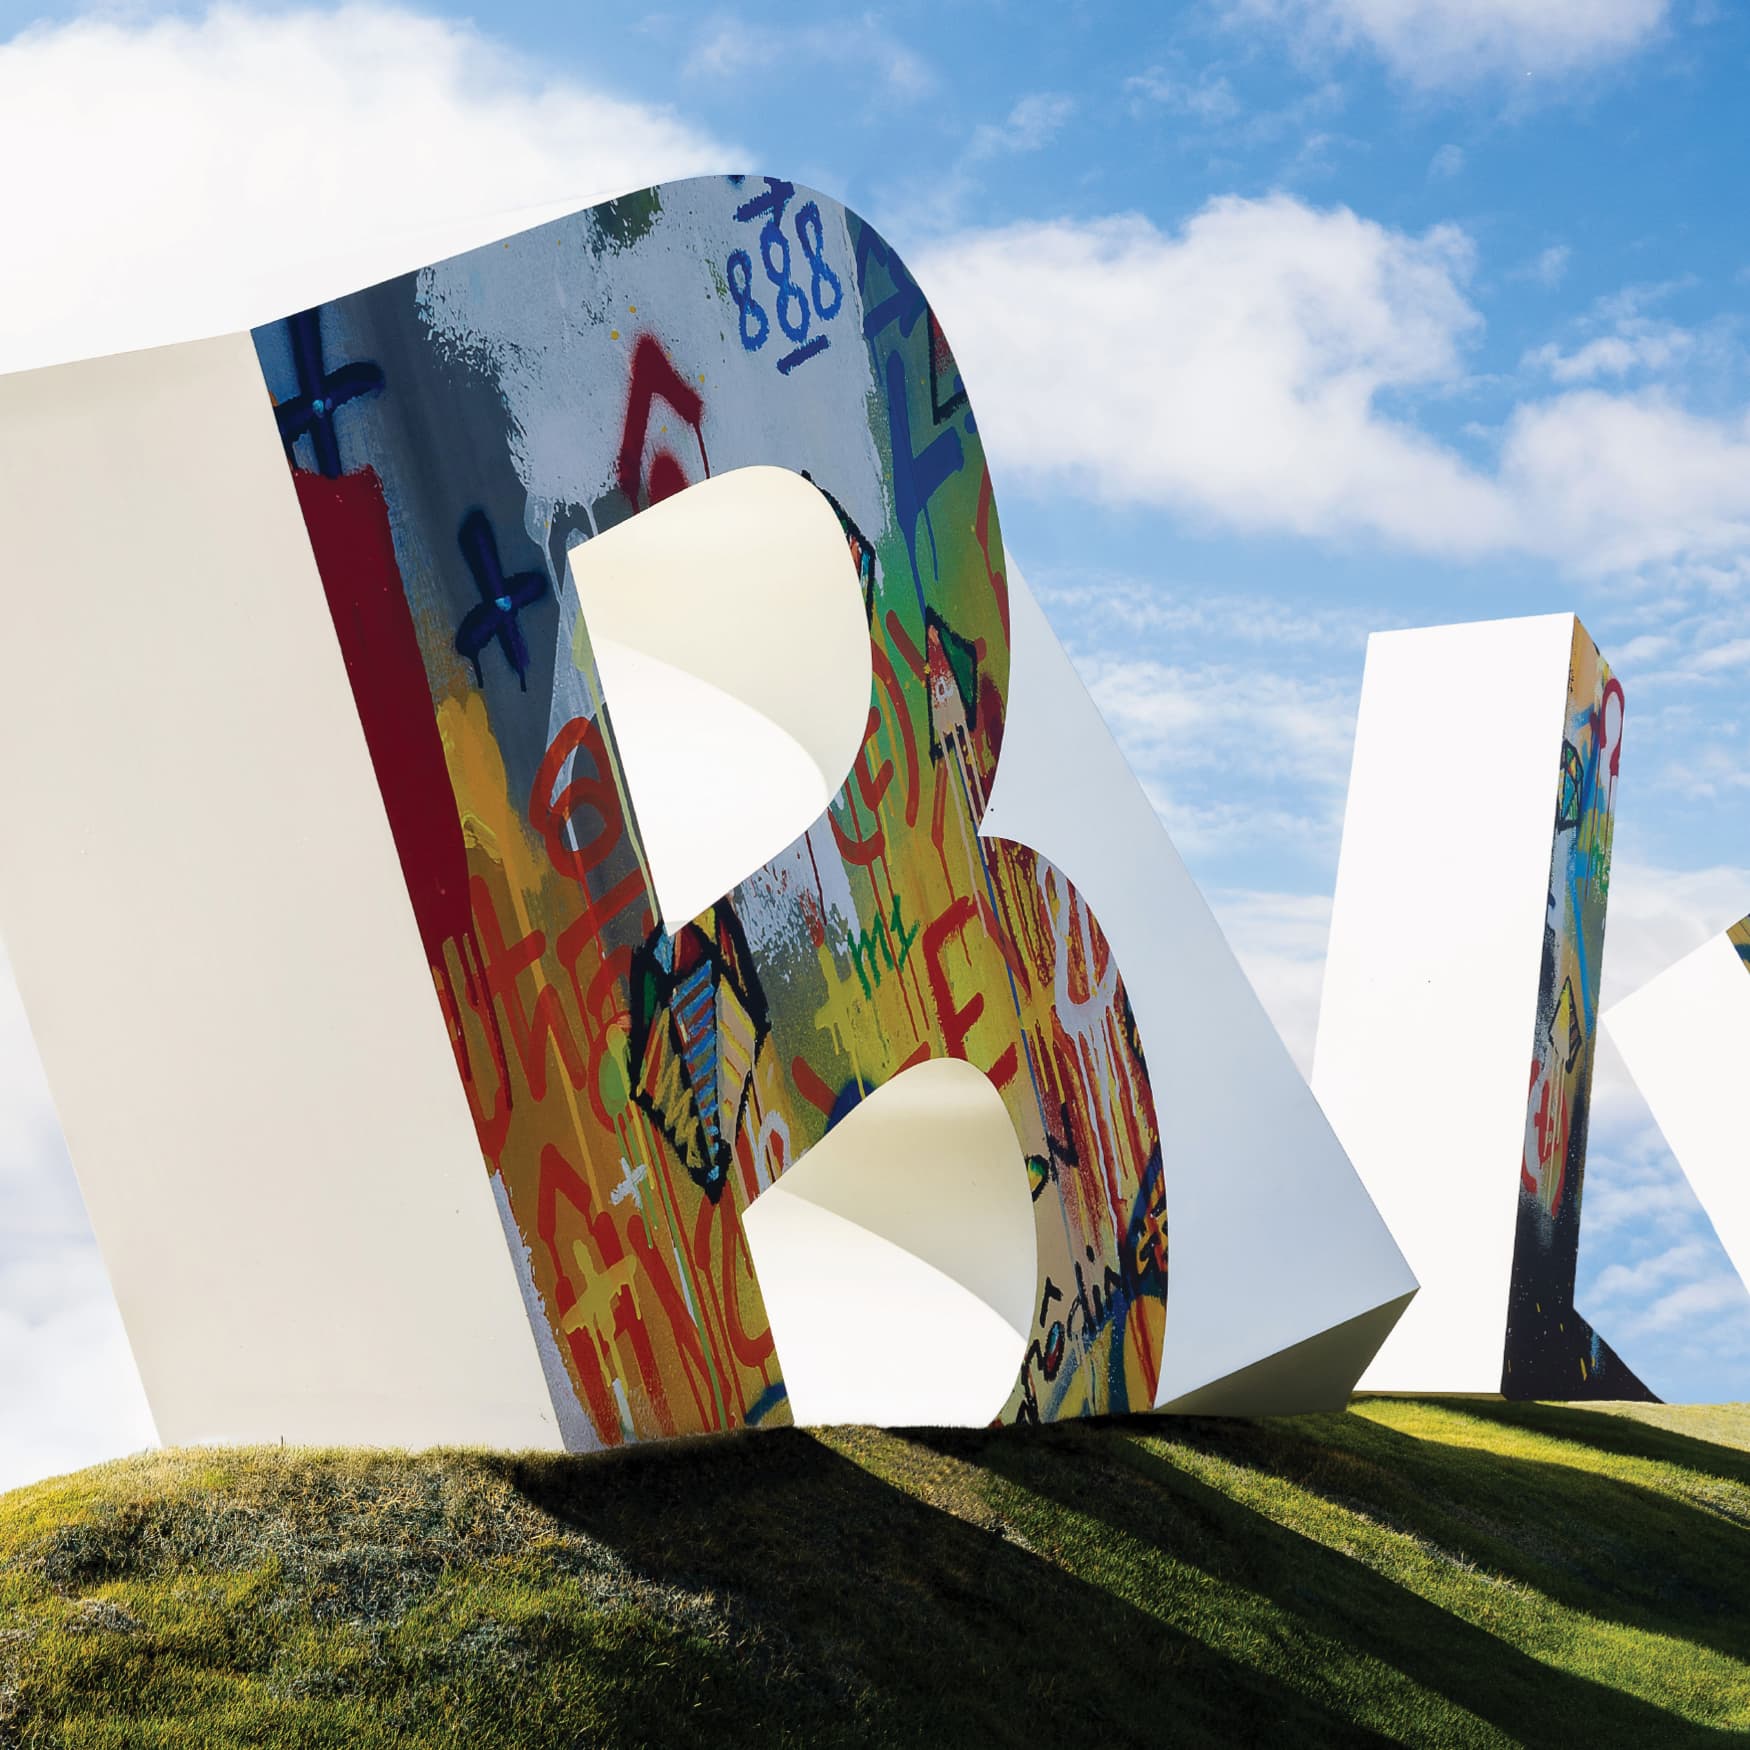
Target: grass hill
x=1424 y=1572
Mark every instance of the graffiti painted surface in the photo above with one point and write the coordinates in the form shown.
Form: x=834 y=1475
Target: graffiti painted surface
x=1739 y=936
x=1551 y=1351
x=452 y=435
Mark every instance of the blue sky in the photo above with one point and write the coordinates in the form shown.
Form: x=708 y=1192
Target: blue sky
x=1287 y=320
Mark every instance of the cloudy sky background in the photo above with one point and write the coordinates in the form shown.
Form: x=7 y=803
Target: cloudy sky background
x=1286 y=320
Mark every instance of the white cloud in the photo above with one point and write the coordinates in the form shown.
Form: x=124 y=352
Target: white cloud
x=1687 y=1284
x=69 y=1392
x=1253 y=369
x=1448 y=161
x=1647 y=1275
x=1623 y=339
x=1209 y=116
x=1115 y=609
x=72 y=1393
x=1230 y=370
x=1615 y=482
x=1032 y=123
x=1432 y=43
x=934 y=204
x=1634 y=1187
x=1699 y=1302
x=1234 y=757
x=1208 y=98
x=733 y=47
x=1549 y=267
x=1280 y=939
x=1614 y=355
x=1652 y=1274
x=1641 y=651
x=1233 y=720
x=1717 y=658
x=191 y=177
x=1657 y=915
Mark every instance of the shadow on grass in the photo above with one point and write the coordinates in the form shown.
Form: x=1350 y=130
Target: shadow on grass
x=1327 y=1594
x=884 y=1618
x=1134 y=1582
x=1664 y=1562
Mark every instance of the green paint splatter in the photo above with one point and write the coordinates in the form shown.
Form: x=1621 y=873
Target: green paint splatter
x=618 y=224
x=611 y=1079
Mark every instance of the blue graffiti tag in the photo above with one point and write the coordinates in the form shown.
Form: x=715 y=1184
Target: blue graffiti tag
x=796 y=310
x=310 y=412
x=501 y=600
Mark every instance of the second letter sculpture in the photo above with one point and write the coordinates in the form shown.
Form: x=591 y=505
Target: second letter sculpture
x=1468 y=924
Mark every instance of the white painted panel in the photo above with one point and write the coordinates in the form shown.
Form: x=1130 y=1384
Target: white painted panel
x=208 y=923
x=1431 y=976
x=897 y=1257
x=1271 y=1237
x=729 y=634
x=1685 y=1036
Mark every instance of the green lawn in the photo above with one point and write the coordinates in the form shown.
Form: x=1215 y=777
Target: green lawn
x=1457 y=1572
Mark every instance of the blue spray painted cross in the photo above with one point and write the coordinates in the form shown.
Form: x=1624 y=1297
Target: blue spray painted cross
x=310 y=413
x=501 y=600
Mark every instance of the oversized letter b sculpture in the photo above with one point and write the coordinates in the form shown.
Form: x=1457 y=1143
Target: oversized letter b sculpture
x=636 y=1081
x=617 y=749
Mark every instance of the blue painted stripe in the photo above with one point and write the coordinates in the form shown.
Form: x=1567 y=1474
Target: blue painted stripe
x=766 y=1402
